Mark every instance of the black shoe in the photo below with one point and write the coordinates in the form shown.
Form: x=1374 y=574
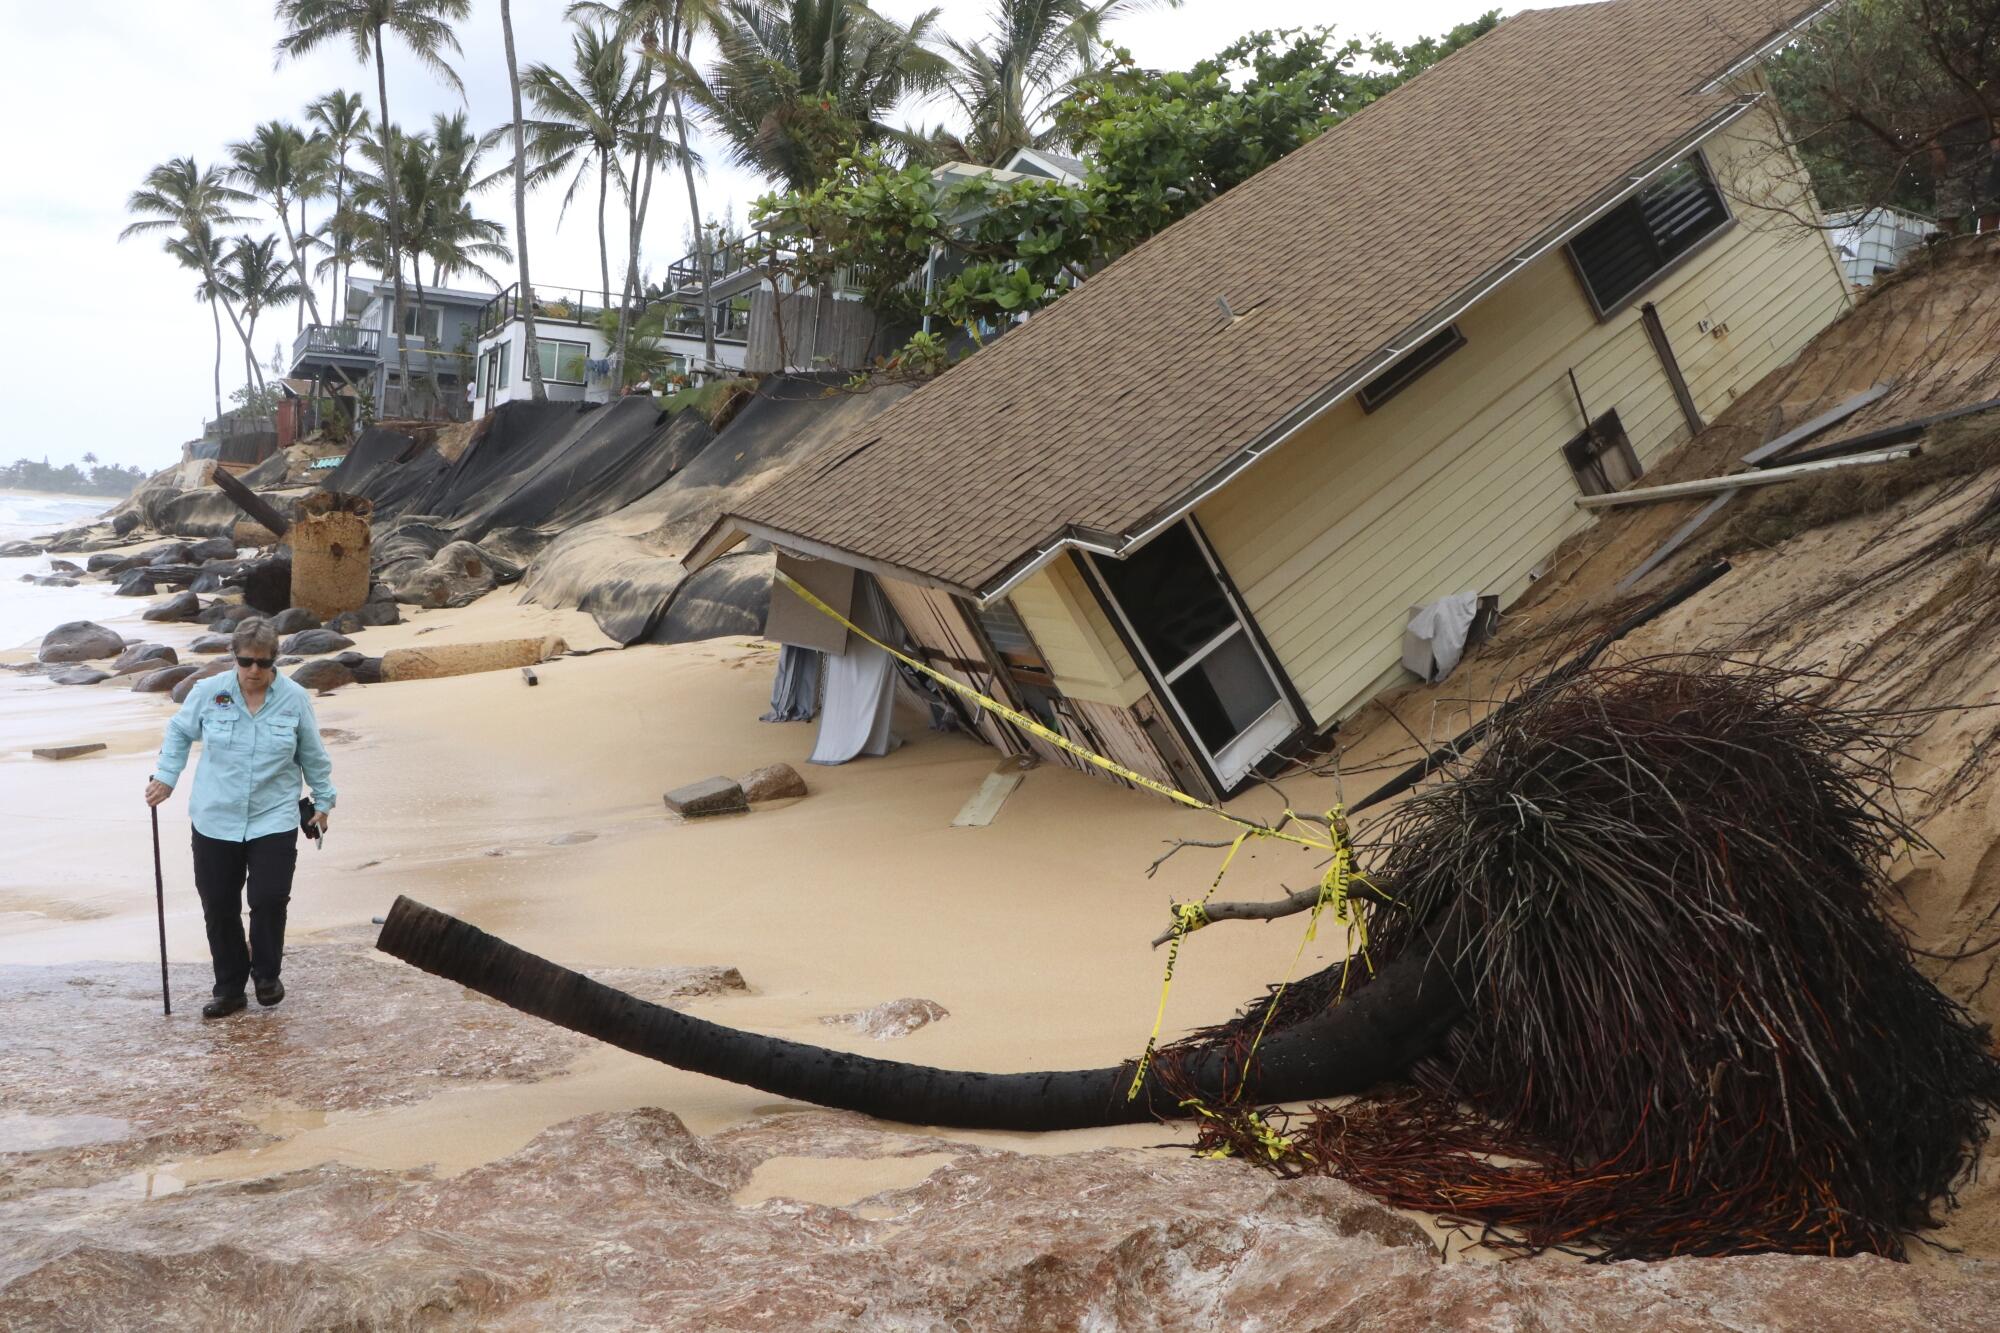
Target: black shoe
x=270 y=992
x=222 y=1006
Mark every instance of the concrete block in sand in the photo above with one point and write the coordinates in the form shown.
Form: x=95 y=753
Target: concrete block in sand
x=68 y=751
x=773 y=782
x=464 y=659
x=711 y=796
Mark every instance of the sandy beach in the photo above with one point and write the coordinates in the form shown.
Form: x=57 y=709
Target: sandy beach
x=537 y=814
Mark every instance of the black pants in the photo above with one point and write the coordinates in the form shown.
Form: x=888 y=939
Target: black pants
x=220 y=869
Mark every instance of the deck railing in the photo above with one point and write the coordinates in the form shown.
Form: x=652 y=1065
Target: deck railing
x=336 y=339
x=584 y=307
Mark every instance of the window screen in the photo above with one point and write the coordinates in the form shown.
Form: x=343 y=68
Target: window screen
x=1623 y=251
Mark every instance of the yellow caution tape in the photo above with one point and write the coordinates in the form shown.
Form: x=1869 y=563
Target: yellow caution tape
x=1188 y=917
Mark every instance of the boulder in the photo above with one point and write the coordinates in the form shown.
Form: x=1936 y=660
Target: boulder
x=134 y=583
x=323 y=674
x=79 y=641
x=462 y=659
x=348 y=622
x=210 y=643
x=212 y=548
x=160 y=682
x=773 y=782
x=206 y=581
x=228 y=623
x=141 y=653
x=181 y=606
x=111 y=562
x=292 y=660
x=181 y=691
x=890 y=1019
x=367 y=670
x=14 y=550
x=49 y=580
x=379 y=613
x=125 y=523
x=69 y=751
x=459 y=574
x=64 y=567
x=711 y=796
x=315 y=642
x=173 y=553
x=293 y=619
x=79 y=675
x=217 y=612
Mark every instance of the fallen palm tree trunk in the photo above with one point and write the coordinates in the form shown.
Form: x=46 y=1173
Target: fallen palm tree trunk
x=1377 y=1033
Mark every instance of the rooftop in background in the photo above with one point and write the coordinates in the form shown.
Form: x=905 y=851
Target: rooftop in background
x=367 y=287
x=1159 y=378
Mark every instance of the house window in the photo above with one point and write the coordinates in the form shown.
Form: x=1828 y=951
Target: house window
x=1033 y=683
x=1602 y=457
x=506 y=361
x=562 y=363
x=1406 y=371
x=431 y=327
x=1623 y=252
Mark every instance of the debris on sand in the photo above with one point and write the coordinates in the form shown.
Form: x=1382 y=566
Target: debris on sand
x=1687 y=1012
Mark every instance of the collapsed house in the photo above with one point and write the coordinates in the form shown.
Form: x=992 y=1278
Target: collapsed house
x=1183 y=515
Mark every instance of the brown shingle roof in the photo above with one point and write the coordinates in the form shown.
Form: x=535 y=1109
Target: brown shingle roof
x=1106 y=410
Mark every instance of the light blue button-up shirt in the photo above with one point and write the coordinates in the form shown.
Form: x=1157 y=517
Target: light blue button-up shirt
x=251 y=763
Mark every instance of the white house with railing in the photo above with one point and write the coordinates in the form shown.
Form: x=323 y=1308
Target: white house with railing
x=575 y=351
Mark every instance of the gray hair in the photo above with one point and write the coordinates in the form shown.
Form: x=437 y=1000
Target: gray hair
x=254 y=638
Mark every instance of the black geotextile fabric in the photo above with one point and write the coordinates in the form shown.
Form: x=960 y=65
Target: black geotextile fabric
x=536 y=465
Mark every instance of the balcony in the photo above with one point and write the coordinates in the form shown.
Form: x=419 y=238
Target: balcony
x=582 y=307
x=339 y=342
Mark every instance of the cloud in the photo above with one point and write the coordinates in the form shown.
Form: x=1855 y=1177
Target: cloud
x=105 y=349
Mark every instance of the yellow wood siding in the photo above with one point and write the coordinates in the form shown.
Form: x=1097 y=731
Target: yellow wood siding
x=1460 y=483
x=1084 y=652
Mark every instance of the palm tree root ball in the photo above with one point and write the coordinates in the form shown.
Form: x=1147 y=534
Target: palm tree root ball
x=1689 y=1026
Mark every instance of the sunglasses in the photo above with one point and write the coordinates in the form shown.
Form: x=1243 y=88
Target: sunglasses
x=261 y=663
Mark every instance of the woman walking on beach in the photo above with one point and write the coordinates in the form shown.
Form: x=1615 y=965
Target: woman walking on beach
x=258 y=739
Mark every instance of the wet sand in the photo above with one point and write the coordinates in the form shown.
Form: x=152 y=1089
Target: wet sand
x=475 y=793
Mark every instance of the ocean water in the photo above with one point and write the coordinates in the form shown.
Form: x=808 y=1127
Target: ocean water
x=26 y=611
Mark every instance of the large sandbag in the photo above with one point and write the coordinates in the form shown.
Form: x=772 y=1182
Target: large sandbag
x=462 y=659
x=330 y=555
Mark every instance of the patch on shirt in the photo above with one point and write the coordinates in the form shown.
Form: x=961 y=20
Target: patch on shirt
x=223 y=700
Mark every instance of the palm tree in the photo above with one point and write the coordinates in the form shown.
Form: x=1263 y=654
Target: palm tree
x=425 y=28
x=191 y=202
x=280 y=164
x=1009 y=88
x=586 y=118
x=662 y=28
x=527 y=303
x=431 y=180
x=342 y=120
x=261 y=281
x=798 y=85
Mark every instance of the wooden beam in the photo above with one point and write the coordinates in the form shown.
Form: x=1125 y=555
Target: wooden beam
x=1826 y=420
x=1681 y=490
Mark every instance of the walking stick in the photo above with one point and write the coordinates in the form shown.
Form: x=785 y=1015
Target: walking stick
x=160 y=898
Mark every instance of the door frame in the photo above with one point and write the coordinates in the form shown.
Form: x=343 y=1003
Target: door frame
x=1288 y=695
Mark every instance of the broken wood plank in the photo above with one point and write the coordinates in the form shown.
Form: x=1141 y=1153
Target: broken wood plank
x=1678 y=539
x=1825 y=421
x=985 y=803
x=252 y=503
x=1896 y=434
x=68 y=751
x=1681 y=490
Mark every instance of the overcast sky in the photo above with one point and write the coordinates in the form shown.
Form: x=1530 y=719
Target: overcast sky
x=104 y=348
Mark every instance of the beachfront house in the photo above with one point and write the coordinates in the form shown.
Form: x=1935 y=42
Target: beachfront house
x=437 y=332
x=1184 y=513
x=575 y=350
x=1873 y=242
